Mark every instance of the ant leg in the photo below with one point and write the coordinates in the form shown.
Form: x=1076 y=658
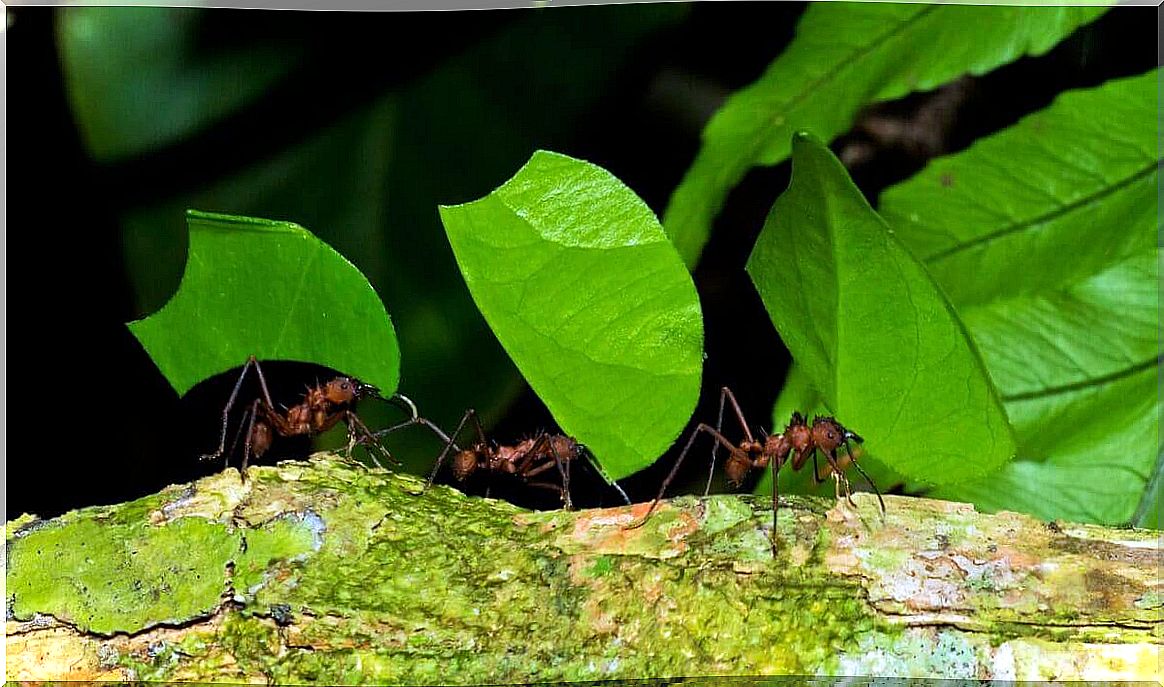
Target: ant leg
x=564 y=489
x=839 y=477
x=725 y=394
x=563 y=469
x=263 y=382
x=226 y=410
x=247 y=414
x=868 y=479
x=816 y=478
x=774 y=466
x=357 y=426
x=250 y=437
x=482 y=440
x=565 y=476
x=424 y=422
x=849 y=492
x=675 y=469
x=739 y=413
x=449 y=445
x=563 y=466
x=545 y=485
x=600 y=473
x=414 y=419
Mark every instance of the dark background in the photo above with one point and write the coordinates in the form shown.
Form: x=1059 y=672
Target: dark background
x=92 y=421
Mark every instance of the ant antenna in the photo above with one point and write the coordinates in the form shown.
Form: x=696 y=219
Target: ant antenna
x=406 y=403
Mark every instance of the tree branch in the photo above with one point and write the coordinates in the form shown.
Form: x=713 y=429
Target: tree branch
x=322 y=571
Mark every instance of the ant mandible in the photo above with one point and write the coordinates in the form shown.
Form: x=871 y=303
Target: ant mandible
x=323 y=406
x=525 y=460
x=800 y=440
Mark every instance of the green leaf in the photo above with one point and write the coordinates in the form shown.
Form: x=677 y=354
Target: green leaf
x=271 y=289
x=845 y=56
x=580 y=284
x=1044 y=237
x=871 y=331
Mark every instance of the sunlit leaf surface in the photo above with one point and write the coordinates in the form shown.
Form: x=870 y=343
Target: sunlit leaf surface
x=577 y=279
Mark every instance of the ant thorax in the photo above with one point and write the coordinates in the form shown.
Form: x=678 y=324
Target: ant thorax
x=300 y=418
x=505 y=458
x=799 y=436
x=776 y=447
x=800 y=440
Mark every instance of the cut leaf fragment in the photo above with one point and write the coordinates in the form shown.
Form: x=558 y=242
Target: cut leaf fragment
x=1044 y=237
x=871 y=331
x=845 y=56
x=578 y=281
x=273 y=290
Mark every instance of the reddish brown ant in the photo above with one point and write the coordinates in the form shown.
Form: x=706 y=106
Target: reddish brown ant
x=525 y=460
x=800 y=440
x=323 y=406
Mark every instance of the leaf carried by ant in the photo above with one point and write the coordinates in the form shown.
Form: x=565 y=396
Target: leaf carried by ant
x=576 y=278
x=273 y=290
x=846 y=55
x=871 y=330
x=1044 y=237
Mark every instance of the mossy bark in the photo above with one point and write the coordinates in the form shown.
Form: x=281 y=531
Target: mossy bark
x=322 y=571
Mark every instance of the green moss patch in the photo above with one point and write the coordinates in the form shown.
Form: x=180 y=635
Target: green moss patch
x=108 y=577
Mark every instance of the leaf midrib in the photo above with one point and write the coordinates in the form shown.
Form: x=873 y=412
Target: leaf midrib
x=1061 y=211
x=1048 y=392
x=779 y=117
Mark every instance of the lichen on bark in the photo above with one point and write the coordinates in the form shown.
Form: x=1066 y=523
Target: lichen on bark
x=323 y=571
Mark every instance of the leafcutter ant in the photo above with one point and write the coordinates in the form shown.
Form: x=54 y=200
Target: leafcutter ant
x=526 y=460
x=800 y=440
x=323 y=406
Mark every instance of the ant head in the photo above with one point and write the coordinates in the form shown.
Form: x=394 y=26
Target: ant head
x=826 y=433
x=348 y=389
x=566 y=447
x=829 y=434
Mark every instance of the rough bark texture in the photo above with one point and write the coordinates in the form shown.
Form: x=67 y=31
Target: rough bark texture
x=323 y=571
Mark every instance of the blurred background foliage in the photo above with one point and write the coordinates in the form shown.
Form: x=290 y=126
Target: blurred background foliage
x=357 y=126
